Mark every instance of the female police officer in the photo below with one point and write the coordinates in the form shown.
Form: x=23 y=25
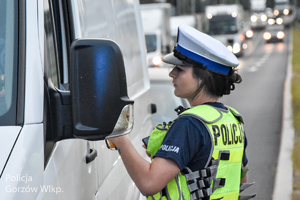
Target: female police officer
x=201 y=155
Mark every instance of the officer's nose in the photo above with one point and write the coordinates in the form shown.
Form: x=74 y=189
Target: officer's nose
x=172 y=73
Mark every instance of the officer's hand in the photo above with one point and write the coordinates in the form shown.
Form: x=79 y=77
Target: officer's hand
x=112 y=143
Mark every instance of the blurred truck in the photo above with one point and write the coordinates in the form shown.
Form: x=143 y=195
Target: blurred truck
x=285 y=10
x=258 y=16
x=225 y=23
x=70 y=71
x=190 y=20
x=156 y=24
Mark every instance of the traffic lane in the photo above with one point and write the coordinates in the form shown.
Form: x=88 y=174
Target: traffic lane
x=253 y=43
x=259 y=98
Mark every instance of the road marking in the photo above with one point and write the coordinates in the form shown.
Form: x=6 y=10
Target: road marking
x=256 y=43
x=263 y=59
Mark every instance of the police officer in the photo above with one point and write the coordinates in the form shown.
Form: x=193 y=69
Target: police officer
x=201 y=154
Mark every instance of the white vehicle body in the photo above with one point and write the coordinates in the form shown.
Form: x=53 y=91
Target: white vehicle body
x=156 y=25
x=283 y=9
x=162 y=88
x=176 y=21
x=258 y=16
x=35 y=163
x=225 y=23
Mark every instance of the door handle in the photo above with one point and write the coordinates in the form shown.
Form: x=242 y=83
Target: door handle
x=91 y=156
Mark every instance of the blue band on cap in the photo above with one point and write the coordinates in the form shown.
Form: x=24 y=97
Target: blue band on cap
x=211 y=65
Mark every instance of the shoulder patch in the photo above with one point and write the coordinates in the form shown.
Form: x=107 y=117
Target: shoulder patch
x=206 y=113
x=236 y=114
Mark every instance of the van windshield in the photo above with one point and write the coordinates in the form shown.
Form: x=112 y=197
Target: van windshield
x=222 y=25
x=281 y=3
x=151 y=42
x=8 y=60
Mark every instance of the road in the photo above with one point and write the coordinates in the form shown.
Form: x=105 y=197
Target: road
x=259 y=98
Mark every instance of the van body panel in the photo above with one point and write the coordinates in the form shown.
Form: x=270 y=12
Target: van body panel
x=7 y=142
x=24 y=170
x=68 y=172
x=118 y=21
x=116 y=25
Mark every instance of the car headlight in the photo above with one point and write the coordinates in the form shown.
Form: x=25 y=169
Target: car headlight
x=156 y=60
x=280 y=35
x=267 y=36
x=253 y=18
x=271 y=21
x=276 y=12
x=263 y=18
x=249 y=34
x=209 y=16
x=279 y=21
x=286 y=11
x=236 y=48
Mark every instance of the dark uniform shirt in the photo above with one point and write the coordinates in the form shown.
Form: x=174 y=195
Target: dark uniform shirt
x=188 y=143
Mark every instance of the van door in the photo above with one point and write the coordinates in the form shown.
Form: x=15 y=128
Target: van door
x=69 y=173
x=120 y=21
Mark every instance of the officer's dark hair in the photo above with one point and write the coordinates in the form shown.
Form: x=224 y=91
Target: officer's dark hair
x=216 y=85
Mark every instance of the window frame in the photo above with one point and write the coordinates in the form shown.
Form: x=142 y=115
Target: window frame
x=15 y=114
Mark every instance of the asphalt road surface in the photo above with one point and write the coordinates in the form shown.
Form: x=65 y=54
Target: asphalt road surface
x=259 y=98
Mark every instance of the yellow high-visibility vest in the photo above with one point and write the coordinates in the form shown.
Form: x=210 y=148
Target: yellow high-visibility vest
x=221 y=178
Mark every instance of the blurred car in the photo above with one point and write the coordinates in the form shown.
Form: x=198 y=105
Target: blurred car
x=248 y=31
x=162 y=94
x=269 y=13
x=285 y=10
x=258 y=19
x=274 y=32
x=249 y=34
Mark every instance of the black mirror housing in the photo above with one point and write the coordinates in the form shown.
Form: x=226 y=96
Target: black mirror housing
x=98 y=87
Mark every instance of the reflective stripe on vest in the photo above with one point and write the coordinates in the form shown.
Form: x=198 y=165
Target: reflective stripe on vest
x=172 y=191
x=228 y=138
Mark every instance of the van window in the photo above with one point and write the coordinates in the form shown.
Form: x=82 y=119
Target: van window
x=151 y=42
x=8 y=61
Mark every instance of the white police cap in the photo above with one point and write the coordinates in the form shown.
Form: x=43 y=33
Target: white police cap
x=196 y=48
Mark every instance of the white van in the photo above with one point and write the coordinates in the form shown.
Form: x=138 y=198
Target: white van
x=156 y=25
x=176 y=21
x=62 y=89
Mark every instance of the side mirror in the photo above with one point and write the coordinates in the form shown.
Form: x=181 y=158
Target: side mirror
x=100 y=104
